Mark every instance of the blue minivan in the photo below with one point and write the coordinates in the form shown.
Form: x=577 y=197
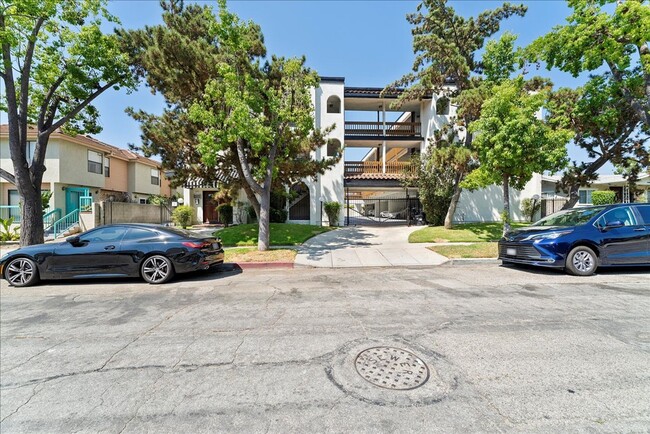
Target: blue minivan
x=580 y=240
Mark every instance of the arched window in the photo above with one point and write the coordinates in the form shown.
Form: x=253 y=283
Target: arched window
x=333 y=147
x=442 y=106
x=299 y=203
x=333 y=104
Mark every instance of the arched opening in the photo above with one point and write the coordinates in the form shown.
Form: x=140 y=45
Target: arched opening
x=333 y=147
x=333 y=104
x=299 y=204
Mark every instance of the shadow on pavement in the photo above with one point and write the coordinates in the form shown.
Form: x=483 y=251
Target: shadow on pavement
x=608 y=271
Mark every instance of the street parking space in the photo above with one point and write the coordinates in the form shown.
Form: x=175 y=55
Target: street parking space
x=462 y=347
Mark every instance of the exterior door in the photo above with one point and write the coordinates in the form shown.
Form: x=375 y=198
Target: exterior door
x=72 y=195
x=626 y=244
x=210 y=214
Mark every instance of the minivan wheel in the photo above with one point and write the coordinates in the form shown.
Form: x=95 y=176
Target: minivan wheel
x=21 y=272
x=581 y=261
x=157 y=269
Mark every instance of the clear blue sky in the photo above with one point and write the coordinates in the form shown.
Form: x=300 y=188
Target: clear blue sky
x=367 y=42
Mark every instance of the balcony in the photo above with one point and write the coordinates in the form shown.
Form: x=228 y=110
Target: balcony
x=376 y=129
x=375 y=169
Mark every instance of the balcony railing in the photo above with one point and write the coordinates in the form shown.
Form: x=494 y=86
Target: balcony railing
x=353 y=168
x=376 y=129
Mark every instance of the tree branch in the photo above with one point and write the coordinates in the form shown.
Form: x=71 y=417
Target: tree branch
x=47 y=99
x=7 y=176
x=25 y=74
x=245 y=170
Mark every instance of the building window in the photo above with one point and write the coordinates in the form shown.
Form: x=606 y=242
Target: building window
x=585 y=196
x=95 y=161
x=143 y=201
x=155 y=177
x=29 y=152
x=107 y=167
x=442 y=106
x=333 y=148
x=333 y=104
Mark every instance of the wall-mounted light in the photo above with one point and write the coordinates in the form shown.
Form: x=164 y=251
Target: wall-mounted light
x=63 y=188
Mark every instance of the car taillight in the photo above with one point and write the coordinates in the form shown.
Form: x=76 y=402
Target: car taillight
x=196 y=245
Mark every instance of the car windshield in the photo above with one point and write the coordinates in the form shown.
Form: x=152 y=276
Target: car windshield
x=573 y=217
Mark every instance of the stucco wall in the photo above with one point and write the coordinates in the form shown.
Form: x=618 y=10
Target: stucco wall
x=140 y=179
x=125 y=212
x=118 y=181
x=51 y=159
x=73 y=166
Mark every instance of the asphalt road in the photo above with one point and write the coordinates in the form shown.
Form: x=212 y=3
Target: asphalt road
x=505 y=349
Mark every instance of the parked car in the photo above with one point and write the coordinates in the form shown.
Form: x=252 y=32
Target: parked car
x=580 y=240
x=153 y=252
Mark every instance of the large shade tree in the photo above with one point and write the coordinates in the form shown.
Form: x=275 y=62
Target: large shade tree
x=55 y=61
x=446 y=47
x=610 y=34
x=239 y=116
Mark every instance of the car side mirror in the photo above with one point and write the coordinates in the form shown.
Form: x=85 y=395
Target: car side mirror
x=74 y=240
x=614 y=224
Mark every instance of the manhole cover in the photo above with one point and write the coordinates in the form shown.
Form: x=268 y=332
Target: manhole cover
x=392 y=368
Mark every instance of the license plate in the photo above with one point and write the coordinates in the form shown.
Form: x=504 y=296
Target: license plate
x=511 y=252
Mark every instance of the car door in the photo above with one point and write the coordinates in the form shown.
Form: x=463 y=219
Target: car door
x=625 y=244
x=643 y=211
x=94 y=252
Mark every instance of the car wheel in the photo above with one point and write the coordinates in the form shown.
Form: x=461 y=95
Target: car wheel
x=581 y=261
x=157 y=269
x=21 y=272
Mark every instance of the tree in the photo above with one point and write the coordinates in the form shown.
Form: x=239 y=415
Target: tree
x=513 y=143
x=55 y=62
x=239 y=117
x=605 y=126
x=445 y=46
x=600 y=33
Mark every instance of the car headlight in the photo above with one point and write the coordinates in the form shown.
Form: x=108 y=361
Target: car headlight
x=547 y=236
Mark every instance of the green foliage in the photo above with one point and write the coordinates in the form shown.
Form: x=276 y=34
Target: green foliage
x=250 y=211
x=183 y=215
x=603 y=197
x=158 y=199
x=225 y=213
x=282 y=234
x=332 y=209
x=466 y=232
x=6 y=232
x=529 y=208
x=278 y=215
x=606 y=33
x=45 y=199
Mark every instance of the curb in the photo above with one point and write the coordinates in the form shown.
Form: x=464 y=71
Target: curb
x=467 y=261
x=263 y=265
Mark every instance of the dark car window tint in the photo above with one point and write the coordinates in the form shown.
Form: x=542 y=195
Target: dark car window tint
x=136 y=234
x=622 y=214
x=106 y=234
x=571 y=217
x=644 y=210
x=182 y=232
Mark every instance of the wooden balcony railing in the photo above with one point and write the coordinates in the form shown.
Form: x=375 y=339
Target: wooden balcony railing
x=375 y=129
x=392 y=167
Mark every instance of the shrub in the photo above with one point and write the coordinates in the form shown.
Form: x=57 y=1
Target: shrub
x=529 y=207
x=603 y=197
x=225 y=213
x=278 y=215
x=332 y=209
x=182 y=215
x=6 y=232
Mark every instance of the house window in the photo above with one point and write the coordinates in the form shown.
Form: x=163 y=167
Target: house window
x=155 y=177
x=29 y=152
x=585 y=196
x=333 y=147
x=333 y=104
x=442 y=106
x=107 y=167
x=95 y=161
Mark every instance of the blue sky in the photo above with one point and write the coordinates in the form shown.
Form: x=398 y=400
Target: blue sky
x=367 y=42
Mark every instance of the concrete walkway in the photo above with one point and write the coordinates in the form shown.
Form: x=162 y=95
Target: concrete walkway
x=366 y=247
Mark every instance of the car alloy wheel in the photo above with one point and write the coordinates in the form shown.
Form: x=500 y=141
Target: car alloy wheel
x=581 y=261
x=157 y=269
x=21 y=272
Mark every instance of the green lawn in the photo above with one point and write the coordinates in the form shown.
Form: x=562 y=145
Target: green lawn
x=282 y=234
x=251 y=254
x=468 y=232
x=477 y=250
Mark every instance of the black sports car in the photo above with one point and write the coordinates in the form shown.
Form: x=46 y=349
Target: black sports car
x=122 y=250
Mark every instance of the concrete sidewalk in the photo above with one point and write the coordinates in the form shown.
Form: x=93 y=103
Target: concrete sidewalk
x=366 y=247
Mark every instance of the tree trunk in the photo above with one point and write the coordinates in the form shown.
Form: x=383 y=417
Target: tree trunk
x=31 y=225
x=264 y=232
x=449 y=218
x=506 y=204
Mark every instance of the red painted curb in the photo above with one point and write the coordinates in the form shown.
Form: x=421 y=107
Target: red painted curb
x=264 y=265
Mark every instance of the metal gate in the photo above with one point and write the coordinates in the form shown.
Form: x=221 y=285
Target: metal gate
x=371 y=211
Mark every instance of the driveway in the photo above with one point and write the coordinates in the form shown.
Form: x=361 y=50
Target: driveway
x=366 y=246
x=501 y=350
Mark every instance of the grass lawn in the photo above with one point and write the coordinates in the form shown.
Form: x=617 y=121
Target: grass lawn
x=461 y=233
x=478 y=250
x=282 y=234
x=251 y=254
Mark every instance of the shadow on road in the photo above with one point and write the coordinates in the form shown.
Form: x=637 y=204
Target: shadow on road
x=607 y=271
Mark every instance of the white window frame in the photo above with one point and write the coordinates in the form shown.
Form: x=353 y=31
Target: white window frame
x=29 y=152
x=100 y=157
x=155 y=174
x=588 y=192
x=107 y=167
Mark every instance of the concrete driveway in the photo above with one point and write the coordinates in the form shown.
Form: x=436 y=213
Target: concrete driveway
x=366 y=246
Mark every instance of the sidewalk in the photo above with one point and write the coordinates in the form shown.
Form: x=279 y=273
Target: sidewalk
x=366 y=247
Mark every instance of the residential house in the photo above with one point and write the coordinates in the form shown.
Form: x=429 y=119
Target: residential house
x=81 y=170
